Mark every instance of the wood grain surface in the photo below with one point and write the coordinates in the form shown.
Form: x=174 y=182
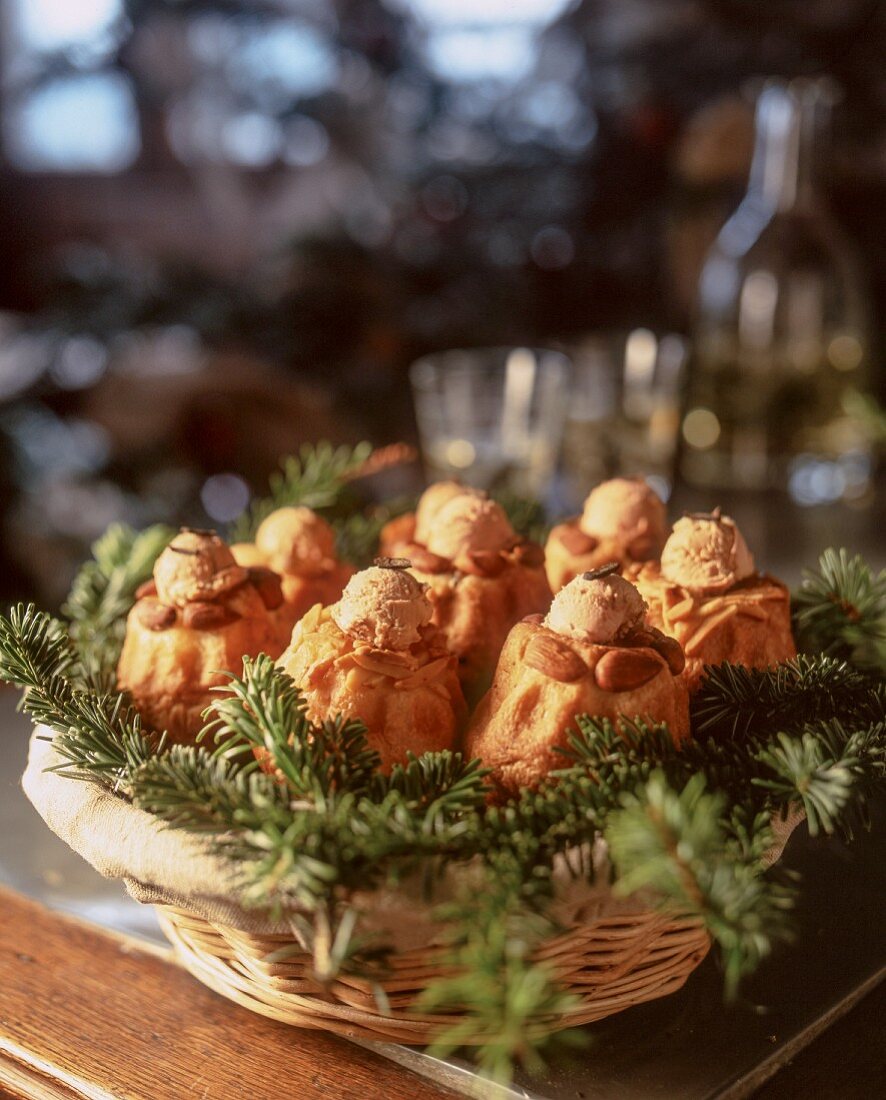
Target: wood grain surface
x=87 y=1014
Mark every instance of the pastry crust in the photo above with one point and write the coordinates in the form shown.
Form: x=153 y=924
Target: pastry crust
x=748 y=623
x=543 y=681
x=322 y=583
x=476 y=610
x=410 y=700
x=170 y=670
x=569 y=552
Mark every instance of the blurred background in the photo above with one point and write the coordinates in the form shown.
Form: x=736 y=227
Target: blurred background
x=230 y=226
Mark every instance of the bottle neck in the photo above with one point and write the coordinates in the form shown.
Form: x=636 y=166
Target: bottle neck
x=783 y=166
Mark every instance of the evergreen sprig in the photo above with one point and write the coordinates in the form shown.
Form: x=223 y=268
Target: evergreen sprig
x=736 y=702
x=97 y=734
x=315 y=478
x=503 y=996
x=103 y=592
x=840 y=610
x=674 y=843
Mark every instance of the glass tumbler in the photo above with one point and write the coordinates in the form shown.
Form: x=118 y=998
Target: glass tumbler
x=492 y=417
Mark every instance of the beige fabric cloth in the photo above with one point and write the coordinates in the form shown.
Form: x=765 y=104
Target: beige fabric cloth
x=162 y=866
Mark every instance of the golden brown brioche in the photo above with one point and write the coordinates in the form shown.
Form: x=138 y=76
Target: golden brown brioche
x=623 y=520
x=195 y=620
x=706 y=593
x=482 y=578
x=551 y=671
x=375 y=656
x=415 y=527
x=299 y=545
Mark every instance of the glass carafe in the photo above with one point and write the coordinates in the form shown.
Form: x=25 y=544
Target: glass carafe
x=781 y=345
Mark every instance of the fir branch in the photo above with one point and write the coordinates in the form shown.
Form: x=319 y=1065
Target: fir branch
x=34 y=647
x=98 y=736
x=103 y=592
x=315 y=478
x=675 y=845
x=501 y=994
x=738 y=703
x=437 y=787
x=840 y=610
x=824 y=769
x=265 y=711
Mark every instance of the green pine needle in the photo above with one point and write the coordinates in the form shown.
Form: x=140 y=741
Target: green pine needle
x=316 y=478
x=674 y=843
x=103 y=592
x=840 y=610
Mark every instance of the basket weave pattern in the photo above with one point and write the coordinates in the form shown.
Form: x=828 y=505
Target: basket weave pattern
x=610 y=963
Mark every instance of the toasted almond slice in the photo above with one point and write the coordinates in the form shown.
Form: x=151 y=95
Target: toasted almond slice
x=574 y=540
x=154 y=615
x=430 y=671
x=389 y=656
x=202 y=615
x=554 y=657
x=424 y=561
x=752 y=611
x=529 y=554
x=626 y=669
x=681 y=610
x=484 y=563
x=381 y=666
x=359 y=678
x=693 y=646
x=311 y=618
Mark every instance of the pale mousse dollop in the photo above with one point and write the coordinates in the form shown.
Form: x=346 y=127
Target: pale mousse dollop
x=196 y=565
x=383 y=606
x=469 y=524
x=624 y=509
x=706 y=554
x=296 y=540
x=432 y=500
x=597 y=610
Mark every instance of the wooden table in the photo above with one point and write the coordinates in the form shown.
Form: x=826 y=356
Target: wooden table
x=86 y=1013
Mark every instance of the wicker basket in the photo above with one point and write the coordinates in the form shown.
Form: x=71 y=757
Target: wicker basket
x=614 y=953
x=610 y=963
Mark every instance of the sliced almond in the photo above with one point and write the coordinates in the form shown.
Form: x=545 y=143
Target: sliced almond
x=529 y=554
x=311 y=619
x=694 y=645
x=626 y=669
x=713 y=606
x=484 y=563
x=670 y=649
x=752 y=611
x=358 y=678
x=208 y=616
x=681 y=610
x=389 y=656
x=267 y=584
x=574 y=540
x=424 y=561
x=555 y=658
x=380 y=665
x=154 y=615
x=427 y=672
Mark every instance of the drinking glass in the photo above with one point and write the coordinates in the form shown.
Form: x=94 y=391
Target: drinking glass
x=624 y=411
x=492 y=417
